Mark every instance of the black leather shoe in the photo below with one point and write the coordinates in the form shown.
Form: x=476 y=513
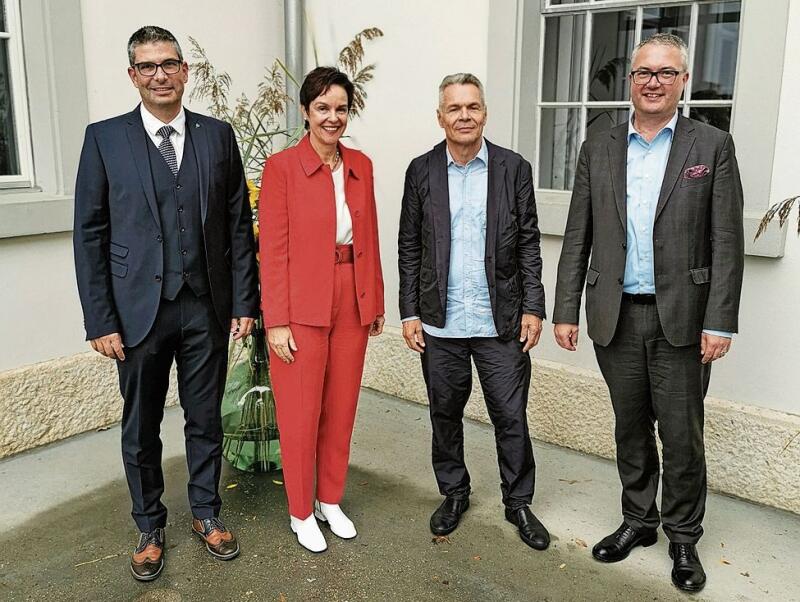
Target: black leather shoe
x=531 y=530
x=445 y=519
x=147 y=560
x=619 y=544
x=687 y=572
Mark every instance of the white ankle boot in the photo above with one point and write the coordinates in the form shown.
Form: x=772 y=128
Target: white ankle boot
x=337 y=520
x=308 y=534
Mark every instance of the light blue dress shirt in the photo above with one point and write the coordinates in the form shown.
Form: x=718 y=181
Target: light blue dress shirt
x=647 y=162
x=469 y=308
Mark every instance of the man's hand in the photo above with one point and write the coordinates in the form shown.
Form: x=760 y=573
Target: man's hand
x=281 y=341
x=530 y=331
x=377 y=326
x=412 y=333
x=713 y=347
x=241 y=327
x=566 y=336
x=110 y=346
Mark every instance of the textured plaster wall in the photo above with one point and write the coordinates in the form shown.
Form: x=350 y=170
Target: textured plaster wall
x=47 y=402
x=751 y=452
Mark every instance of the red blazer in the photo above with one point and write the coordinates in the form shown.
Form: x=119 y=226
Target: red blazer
x=297 y=241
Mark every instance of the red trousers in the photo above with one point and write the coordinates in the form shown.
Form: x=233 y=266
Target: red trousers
x=316 y=397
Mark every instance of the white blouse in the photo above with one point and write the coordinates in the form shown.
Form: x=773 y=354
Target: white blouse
x=344 y=224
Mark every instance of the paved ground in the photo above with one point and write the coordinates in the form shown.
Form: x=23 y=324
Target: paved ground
x=66 y=530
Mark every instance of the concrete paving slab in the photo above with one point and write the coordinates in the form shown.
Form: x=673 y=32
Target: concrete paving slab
x=67 y=532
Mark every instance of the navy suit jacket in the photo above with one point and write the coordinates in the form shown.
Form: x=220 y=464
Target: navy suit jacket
x=117 y=235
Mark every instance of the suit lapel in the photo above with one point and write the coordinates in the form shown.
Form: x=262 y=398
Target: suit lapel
x=618 y=160
x=137 y=138
x=682 y=142
x=196 y=130
x=440 y=202
x=495 y=191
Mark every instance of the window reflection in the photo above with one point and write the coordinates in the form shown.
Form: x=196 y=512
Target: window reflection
x=563 y=66
x=558 y=148
x=715 y=51
x=674 y=20
x=613 y=34
x=719 y=117
x=602 y=120
x=9 y=160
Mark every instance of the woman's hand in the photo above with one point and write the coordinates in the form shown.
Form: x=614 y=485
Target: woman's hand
x=377 y=326
x=281 y=341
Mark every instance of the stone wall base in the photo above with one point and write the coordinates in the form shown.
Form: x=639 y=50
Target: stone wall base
x=53 y=400
x=752 y=453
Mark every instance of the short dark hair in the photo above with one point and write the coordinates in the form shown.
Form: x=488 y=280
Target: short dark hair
x=319 y=81
x=148 y=35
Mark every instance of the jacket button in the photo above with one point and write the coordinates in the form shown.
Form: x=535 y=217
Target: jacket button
x=624 y=245
x=363 y=294
x=620 y=280
x=158 y=278
x=358 y=214
x=184 y=251
x=159 y=238
x=359 y=254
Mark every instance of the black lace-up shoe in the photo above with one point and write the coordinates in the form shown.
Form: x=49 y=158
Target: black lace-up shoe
x=531 y=530
x=619 y=544
x=687 y=572
x=445 y=519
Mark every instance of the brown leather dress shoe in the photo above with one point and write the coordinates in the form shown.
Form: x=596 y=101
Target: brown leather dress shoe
x=220 y=542
x=147 y=559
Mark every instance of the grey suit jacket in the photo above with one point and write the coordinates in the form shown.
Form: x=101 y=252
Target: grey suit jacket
x=698 y=236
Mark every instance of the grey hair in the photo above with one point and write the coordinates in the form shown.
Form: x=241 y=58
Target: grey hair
x=150 y=34
x=460 y=78
x=665 y=39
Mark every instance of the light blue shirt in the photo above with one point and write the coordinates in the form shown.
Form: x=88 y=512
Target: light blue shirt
x=646 y=164
x=469 y=308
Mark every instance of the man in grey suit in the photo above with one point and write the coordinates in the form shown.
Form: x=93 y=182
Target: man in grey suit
x=657 y=207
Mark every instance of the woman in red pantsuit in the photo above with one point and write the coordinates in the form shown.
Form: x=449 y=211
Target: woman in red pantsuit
x=322 y=296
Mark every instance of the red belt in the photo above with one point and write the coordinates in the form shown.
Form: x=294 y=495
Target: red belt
x=344 y=254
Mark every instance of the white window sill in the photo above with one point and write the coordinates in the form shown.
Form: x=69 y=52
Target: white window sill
x=30 y=212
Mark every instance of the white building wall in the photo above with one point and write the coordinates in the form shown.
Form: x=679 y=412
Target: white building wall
x=40 y=316
x=426 y=40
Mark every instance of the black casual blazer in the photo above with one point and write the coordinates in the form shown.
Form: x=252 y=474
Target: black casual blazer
x=513 y=259
x=117 y=234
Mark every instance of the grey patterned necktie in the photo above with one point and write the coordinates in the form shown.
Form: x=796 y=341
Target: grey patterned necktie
x=166 y=149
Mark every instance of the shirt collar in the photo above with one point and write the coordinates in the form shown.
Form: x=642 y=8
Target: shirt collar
x=152 y=123
x=483 y=154
x=670 y=126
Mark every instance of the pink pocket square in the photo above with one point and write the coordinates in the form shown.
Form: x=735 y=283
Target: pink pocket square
x=697 y=171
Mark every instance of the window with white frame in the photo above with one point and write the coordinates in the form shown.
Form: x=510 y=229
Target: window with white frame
x=15 y=159
x=585 y=60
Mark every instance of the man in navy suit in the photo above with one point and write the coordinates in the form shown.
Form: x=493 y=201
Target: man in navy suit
x=166 y=265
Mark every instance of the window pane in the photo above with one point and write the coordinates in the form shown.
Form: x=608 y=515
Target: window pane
x=612 y=43
x=557 y=2
x=2 y=16
x=558 y=149
x=715 y=50
x=719 y=117
x=674 y=20
x=9 y=161
x=602 y=120
x=563 y=49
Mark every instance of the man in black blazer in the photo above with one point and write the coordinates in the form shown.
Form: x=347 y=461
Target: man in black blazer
x=655 y=231
x=470 y=288
x=165 y=263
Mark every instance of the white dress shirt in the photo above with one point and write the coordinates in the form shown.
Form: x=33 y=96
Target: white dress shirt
x=344 y=223
x=152 y=124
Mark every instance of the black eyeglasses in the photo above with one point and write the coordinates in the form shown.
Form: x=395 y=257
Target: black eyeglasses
x=642 y=77
x=170 y=67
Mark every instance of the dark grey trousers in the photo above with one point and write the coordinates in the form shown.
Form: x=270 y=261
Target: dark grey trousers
x=186 y=331
x=651 y=381
x=505 y=376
